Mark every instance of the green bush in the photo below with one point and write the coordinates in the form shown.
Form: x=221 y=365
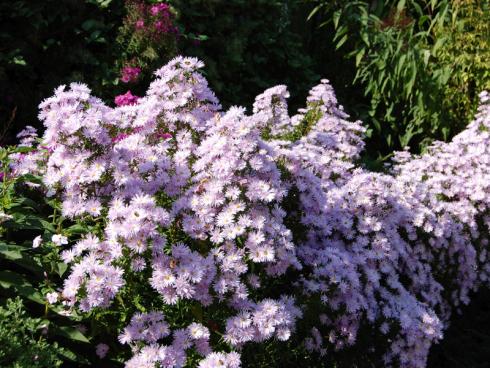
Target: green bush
x=22 y=340
x=420 y=64
x=250 y=46
x=467 y=54
x=31 y=272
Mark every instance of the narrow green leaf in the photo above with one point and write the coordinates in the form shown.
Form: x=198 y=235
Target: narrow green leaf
x=336 y=18
x=70 y=333
x=341 y=42
x=400 y=6
x=359 y=56
x=18 y=282
x=314 y=11
x=426 y=57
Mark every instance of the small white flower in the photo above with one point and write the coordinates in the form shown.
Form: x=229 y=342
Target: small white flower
x=52 y=297
x=59 y=239
x=4 y=217
x=37 y=241
x=198 y=331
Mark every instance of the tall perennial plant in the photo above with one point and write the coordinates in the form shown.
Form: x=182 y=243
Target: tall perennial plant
x=260 y=226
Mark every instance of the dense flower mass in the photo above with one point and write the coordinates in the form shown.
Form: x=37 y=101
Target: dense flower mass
x=212 y=208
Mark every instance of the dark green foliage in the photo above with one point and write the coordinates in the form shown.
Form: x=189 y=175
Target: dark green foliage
x=47 y=43
x=468 y=54
x=30 y=274
x=250 y=46
x=419 y=64
x=22 y=341
x=466 y=343
x=146 y=46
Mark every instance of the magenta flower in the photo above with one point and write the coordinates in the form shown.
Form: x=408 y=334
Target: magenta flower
x=126 y=99
x=159 y=8
x=130 y=73
x=140 y=24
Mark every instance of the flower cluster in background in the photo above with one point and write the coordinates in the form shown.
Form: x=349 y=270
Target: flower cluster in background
x=130 y=74
x=263 y=226
x=147 y=36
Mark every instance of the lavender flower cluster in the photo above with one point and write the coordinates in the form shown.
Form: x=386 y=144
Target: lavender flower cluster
x=396 y=252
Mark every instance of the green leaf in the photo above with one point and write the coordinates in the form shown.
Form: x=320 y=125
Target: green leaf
x=70 y=333
x=29 y=178
x=314 y=11
x=365 y=38
x=61 y=268
x=336 y=18
x=400 y=6
x=341 y=42
x=437 y=45
x=11 y=251
x=359 y=56
x=18 y=282
x=76 y=229
x=89 y=24
x=48 y=226
x=70 y=355
x=426 y=57
x=23 y=149
x=19 y=60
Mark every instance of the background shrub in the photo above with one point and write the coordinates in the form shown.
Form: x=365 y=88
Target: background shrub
x=410 y=59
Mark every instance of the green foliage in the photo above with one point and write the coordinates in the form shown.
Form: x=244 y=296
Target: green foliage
x=468 y=55
x=467 y=341
x=50 y=42
x=22 y=340
x=250 y=46
x=420 y=63
x=28 y=274
x=141 y=42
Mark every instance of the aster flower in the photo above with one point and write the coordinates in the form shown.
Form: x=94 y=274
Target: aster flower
x=205 y=205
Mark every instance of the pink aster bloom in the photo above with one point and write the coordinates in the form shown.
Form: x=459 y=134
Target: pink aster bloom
x=140 y=24
x=126 y=99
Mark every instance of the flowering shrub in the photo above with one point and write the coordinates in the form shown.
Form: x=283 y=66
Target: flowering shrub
x=148 y=34
x=205 y=230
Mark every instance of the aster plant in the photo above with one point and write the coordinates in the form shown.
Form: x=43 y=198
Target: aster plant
x=206 y=232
